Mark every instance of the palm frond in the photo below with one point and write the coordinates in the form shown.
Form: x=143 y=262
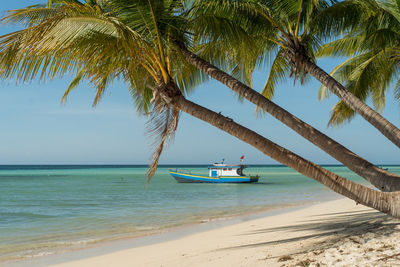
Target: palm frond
x=29 y=16
x=59 y=45
x=346 y=47
x=75 y=82
x=340 y=113
x=340 y=18
x=161 y=126
x=279 y=70
x=396 y=90
x=392 y=7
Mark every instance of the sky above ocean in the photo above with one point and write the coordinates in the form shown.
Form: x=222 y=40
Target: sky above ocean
x=36 y=129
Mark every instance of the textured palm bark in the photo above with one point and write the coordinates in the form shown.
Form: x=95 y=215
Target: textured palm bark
x=384 y=126
x=381 y=179
x=387 y=202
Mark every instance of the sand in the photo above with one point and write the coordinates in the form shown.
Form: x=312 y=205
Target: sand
x=334 y=233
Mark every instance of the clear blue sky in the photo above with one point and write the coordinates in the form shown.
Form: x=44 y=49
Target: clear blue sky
x=36 y=129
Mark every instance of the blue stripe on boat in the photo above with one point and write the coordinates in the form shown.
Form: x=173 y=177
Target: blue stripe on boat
x=191 y=178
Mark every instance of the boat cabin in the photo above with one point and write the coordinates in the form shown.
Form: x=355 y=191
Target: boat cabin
x=220 y=169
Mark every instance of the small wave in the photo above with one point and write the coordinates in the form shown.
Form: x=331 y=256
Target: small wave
x=78 y=242
x=216 y=219
x=146 y=227
x=35 y=250
x=39 y=254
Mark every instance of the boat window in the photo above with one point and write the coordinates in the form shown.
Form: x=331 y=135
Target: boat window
x=224 y=169
x=229 y=169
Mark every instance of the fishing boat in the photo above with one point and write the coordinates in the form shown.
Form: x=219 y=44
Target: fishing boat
x=218 y=173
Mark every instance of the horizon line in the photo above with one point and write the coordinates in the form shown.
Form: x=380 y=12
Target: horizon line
x=164 y=164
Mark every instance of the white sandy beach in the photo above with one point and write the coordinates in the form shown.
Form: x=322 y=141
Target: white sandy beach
x=333 y=233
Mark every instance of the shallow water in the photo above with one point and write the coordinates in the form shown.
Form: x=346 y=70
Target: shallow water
x=47 y=208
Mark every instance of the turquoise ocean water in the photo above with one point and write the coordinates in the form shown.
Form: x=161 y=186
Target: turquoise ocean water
x=46 y=209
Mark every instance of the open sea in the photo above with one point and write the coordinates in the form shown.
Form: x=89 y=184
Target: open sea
x=48 y=209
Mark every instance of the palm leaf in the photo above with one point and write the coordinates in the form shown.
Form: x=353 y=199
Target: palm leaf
x=346 y=47
x=75 y=82
x=162 y=126
x=340 y=113
x=396 y=90
x=279 y=70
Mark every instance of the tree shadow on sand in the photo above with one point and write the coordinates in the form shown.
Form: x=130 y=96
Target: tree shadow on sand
x=329 y=227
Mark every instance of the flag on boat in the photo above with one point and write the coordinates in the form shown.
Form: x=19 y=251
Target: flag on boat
x=242 y=158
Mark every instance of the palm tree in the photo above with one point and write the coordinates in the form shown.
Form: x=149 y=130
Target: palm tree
x=290 y=30
x=373 y=51
x=387 y=202
x=89 y=40
x=68 y=36
x=381 y=179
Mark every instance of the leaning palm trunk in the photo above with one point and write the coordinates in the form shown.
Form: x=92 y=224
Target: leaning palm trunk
x=387 y=202
x=378 y=177
x=370 y=115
